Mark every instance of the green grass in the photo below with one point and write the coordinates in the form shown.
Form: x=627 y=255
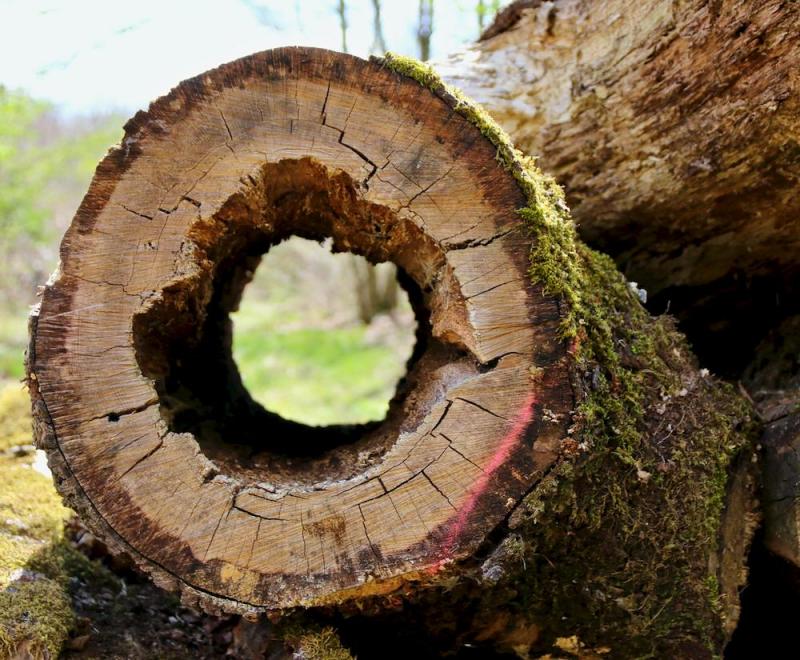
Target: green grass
x=13 y=337
x=315 y=375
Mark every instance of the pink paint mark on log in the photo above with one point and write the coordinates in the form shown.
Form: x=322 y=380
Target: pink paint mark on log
x=500 y=456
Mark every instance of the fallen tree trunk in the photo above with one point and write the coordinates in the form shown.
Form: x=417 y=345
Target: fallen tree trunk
x=553 y=464
x=673 y=127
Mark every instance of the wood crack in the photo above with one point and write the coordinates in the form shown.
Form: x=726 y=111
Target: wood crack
x=438 y=490
x=258 y=515
x=480 y=407
x=140 y=460
x=357 y=152
x=426 y=188
x=214 y=534
x=116 y=415
x=372 y=546
x=491 y=288
x=475 y=242
x=137 y=213
x=225 y=121
x=466 y=458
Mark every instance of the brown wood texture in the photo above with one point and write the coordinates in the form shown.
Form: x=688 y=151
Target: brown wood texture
x=674 y=129
x=149 y=431
x=773 y=382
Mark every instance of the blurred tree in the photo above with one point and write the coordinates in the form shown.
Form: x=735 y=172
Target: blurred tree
x=264 y=15
x=375 y=286
x=45 y=165
x=22 y=170
x=486 y=10
x=342 y=10
x=378 y=42
x=425 y=29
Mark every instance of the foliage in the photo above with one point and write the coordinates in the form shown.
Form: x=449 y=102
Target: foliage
x=21 y=170
x=38 y=156
x=45 y=166
x=334 y=375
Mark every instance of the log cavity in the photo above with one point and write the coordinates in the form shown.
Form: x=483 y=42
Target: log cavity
x=183 y=338
x=323 y=338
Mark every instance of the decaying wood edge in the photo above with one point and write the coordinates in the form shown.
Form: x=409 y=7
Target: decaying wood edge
x=74 y=497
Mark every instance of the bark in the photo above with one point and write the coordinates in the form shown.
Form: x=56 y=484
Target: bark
x=773 y=380
x=674 y=129
x=545 y=414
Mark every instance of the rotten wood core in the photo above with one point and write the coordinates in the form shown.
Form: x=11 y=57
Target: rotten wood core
x=149 y=430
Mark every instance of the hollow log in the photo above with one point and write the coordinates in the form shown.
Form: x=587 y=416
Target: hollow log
x=673 y=127
x=553 y=465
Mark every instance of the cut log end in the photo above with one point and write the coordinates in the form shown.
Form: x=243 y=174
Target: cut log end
x=149 y=429
x=508 y=456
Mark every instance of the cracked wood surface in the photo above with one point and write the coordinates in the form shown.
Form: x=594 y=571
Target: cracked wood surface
x=216 y=158
x=673 y=127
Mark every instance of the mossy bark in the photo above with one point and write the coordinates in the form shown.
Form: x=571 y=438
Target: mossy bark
x=673 y=127
x=635 y=541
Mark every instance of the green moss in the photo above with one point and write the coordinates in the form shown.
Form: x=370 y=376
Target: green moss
x=322 y=645
x=15 y=419
x=28 y=502
x=36 y=561
x=647 y=491
x=35 y=608
x=311 y=641
x=37 y=613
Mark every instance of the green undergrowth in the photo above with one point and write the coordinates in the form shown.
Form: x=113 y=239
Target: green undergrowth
x=621 y=538
x=36 y=561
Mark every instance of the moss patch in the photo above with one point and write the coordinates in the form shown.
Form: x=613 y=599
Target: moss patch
x=15 y=418
x=36 y=561
x=622 y=537
x=623 y=541
x=313 y=642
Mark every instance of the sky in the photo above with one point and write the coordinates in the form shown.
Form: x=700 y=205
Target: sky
x=95 y=56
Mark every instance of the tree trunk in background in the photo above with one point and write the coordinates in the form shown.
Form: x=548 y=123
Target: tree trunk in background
x=425 y=28
x=378 y=42
x=376 y=288
x=675 y=129
x=527 y=491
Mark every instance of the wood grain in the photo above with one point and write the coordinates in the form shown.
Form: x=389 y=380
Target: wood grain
x=308 y=142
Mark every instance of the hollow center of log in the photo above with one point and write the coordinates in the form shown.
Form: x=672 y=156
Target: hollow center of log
x=323 y=338
x=184 y=339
